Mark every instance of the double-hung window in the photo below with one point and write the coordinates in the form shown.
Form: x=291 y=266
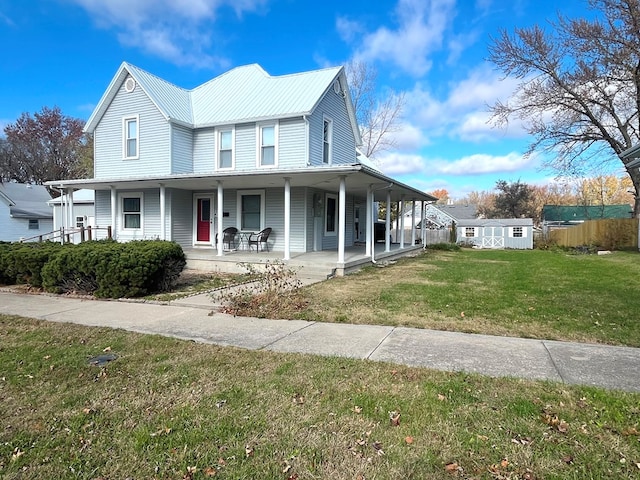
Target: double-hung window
x=331 y=215
x=225 y=149
x=517 y=231
x=251 y=210
x=267 y=153
x=469 y=232
x=327 y=138
x=131 y=137
x=131 y=218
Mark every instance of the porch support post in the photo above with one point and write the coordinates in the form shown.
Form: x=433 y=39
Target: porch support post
x=114 y=208
x=72 y=218
x=387 y=226
x=423 y=226
x=401 y=213
x=163 y=209
x=369 y=221
x=342 y=215
x=287 y=218
x=218 y=233
x=413 y=222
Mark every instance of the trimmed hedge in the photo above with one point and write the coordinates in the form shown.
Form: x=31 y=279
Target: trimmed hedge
x=22 y=263
x=103 y=268
x=109 y=269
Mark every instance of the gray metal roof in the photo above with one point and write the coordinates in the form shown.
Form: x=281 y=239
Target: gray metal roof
x=26 y=200
x=243 y=94
x=458 y=212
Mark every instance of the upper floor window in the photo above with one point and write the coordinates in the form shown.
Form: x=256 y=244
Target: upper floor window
x=327 y=134
x=225 y=149
x=131 y=137
x=267 y=145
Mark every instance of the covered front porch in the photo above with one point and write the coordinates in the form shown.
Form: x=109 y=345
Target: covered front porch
x=322 y=264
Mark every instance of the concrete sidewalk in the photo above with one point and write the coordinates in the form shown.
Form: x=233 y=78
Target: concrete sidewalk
x=570 y=363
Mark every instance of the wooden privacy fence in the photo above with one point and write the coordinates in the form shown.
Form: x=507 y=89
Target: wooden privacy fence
x=607 y=233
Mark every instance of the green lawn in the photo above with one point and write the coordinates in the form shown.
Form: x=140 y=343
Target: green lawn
x=537 y=294
x=171 y=409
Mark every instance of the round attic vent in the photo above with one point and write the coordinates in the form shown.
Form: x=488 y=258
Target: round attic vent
x=336 y=87
x=129 y=85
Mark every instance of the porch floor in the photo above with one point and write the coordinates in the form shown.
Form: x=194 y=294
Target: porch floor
x=314 y=264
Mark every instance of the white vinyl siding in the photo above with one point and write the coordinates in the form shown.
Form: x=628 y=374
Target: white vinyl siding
x=204 y=150
x=246 y=141
x=181 y=149
x=343 y=145
x=292 y=144
x=153 y=144
x=182 y=217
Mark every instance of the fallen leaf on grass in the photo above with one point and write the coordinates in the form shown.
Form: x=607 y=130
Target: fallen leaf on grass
x=162 y=431
x=451 y=468
x=568 y=459
x=298 y=399
x=106 y=349
x=357 y=409
x=210 y=472
x=394 y=417
x=17 y=453
x=248 y=451
x=441 y=397
x=408 y=440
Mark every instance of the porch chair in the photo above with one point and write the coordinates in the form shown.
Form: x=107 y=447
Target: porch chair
x=260 y=238
x=228 y=237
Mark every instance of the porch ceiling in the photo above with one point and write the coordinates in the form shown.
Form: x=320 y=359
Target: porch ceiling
x=358 y=179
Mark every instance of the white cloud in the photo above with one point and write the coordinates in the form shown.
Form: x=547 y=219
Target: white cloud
x=420 y=29
x=479 y=164
x=174 y=30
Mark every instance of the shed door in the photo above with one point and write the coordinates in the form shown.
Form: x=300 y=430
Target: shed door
x=492 y=237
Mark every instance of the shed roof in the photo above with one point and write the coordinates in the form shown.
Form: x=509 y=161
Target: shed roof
x=26 y=200
x=244 y=94
x=459 y=211
x=504 y=222
x=580 y=213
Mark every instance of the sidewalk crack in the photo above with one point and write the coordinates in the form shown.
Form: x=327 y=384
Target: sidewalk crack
x=553 y=362
x=368 y=357
x=309 y=324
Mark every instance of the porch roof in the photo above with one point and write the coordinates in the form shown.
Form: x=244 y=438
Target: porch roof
x=358 y=178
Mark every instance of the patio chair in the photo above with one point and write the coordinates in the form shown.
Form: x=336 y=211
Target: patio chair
x=228 y=237
x=260 y=238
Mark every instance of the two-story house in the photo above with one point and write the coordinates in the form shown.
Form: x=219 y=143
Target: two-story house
x=245 y=149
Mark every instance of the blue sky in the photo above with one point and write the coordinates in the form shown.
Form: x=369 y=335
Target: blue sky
x=65 y=53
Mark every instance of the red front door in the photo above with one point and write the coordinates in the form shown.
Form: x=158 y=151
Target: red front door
x=203 y=227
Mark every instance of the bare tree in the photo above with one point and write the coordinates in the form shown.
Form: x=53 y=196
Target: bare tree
x=47 y=146
x=579 y=94
x=378 y=113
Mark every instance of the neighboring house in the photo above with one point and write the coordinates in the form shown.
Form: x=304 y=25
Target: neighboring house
x=562 y=216
x=514 y=233
x=74 y=212
x=443 y=216
x=24 y=212
x=245 y=150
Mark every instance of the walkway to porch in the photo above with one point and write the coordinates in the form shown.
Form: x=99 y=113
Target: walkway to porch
x=312 y=264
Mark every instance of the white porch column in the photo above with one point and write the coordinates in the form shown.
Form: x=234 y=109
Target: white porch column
x=342 y=215
x=401 y=213
x=163 y=209
x=413 y=222
x=287 y=218
x=72 y=218
x=423 y=227
x=114 y=213
x=218 y=231
x=369 y=223
x=387 y=230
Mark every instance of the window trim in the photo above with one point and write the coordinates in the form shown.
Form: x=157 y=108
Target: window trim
x=328 y=121
x=334 y=197
x=125 y=138
x=466 y=232
x=32 y=222
x=121 y=228
x=259 y=146
x=239 y=195
x=80 y=221
x=219 y=133
x=522 y=231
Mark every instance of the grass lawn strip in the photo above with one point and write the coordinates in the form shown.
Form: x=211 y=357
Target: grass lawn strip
x=531 y=294
x=167 y=408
